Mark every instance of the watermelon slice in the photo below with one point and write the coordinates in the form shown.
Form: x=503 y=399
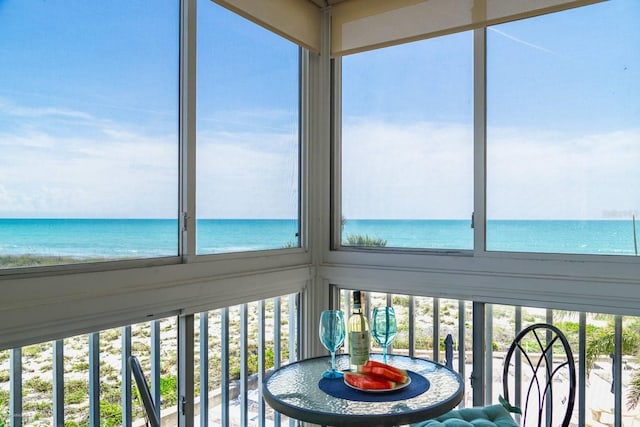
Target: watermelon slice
x=368 y=382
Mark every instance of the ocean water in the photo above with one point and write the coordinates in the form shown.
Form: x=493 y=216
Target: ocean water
x=144 y=238
x=138 y=238
x=596 y=237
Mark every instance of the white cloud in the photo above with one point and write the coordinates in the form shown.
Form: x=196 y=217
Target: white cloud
x=256 y=120
x=556 y=175
x=390 y=170
x=9 y=109
x=97 y=168
x=424 y=170
x=418 y=170
x=247 y=175
x=106 y=176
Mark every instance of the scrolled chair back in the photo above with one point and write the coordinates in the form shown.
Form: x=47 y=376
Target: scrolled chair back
x=541 y=356
x=544 y=355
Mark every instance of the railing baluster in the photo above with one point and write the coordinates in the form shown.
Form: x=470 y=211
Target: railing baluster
x=389 y=303
x=346 y=304
x=155 y=364
x=346 y=309
x=261 y=361
x=292 y=340
x=549 y=411
x=436 y=329
x=58 y=383
x=15 y=384
x=292 y=329
x=298 y=320
x=186 y=361
x=277 y=343
x=478 y=373
x=461 y=342
x=582 y=378
x=244 y=342
x=412 y=327
x=204 y=369
x=617 y=373
x=126 y=376
x=366 y=311
x=276 y=348
x=488 y=351
x=94 y=379
x=518 y=360
x=224 y=367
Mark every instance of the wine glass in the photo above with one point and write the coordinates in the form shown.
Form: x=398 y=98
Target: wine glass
x=332 y=331
x=384 y=328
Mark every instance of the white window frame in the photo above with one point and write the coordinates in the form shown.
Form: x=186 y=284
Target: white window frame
x=597 y=283
x=45 y=303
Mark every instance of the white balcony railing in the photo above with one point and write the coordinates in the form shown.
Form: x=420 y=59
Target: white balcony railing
x=79 y=380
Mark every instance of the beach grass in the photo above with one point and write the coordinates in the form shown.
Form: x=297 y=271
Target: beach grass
x=364 y=240
x=28 y=260
x=37 y=362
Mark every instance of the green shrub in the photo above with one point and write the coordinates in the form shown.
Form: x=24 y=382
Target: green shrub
x=364 y=240
x=169 y=390
x=110 y=335
x=40 y=409
x=4 y=408
x=80 y=366
x=38 y=385
x=35 y=350
x=421 y=341
x=110 y=414
x=400 y=301
x=75 y=391
x=111 y=392
x=30 y=260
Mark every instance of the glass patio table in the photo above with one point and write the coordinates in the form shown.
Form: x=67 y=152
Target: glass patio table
x=299 y=391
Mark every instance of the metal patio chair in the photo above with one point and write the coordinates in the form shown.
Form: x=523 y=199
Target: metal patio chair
x=544 y=356
x=145 y=394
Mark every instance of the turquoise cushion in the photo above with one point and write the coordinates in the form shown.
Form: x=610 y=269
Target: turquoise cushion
x=488 y=416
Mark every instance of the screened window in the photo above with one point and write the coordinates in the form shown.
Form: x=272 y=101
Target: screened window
x=563 y=141
x=88 y=131
x=247 y=135
x=407 y=145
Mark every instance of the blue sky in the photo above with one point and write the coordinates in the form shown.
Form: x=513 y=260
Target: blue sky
x=89 y=116
x=563 y=121
x=91 y=57
x=88 y=108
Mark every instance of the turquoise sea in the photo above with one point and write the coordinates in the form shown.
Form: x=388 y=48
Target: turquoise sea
x=138 y=238
x=610 y=237
x=143 y=238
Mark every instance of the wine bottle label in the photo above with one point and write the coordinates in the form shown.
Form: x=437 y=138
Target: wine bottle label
x=359 y=347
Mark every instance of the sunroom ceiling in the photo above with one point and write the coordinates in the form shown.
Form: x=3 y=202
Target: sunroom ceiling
x=359 y=25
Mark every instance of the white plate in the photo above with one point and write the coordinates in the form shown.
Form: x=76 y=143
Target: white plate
x=380 y=390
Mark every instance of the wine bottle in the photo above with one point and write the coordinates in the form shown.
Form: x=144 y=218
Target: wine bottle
x=358 y=328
